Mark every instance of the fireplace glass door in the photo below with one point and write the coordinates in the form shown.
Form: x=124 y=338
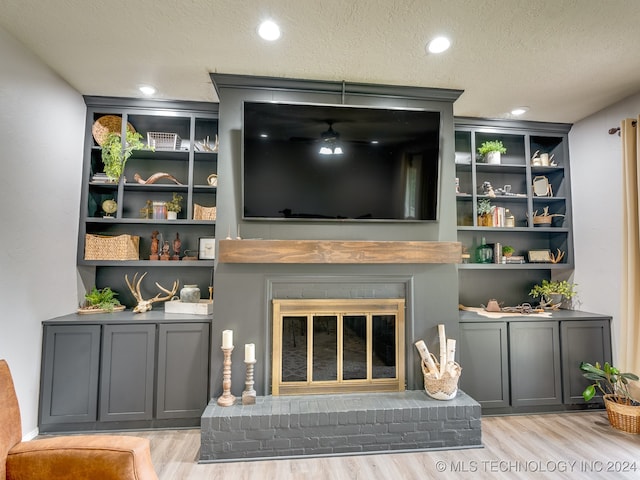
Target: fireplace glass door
x=325 y=346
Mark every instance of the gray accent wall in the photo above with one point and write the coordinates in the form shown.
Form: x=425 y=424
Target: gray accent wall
x=243 y=292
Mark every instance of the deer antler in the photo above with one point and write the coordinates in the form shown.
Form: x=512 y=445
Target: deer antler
x=146 y=305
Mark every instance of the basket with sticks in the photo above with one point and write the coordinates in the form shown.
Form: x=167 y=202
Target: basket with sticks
x=440 y=377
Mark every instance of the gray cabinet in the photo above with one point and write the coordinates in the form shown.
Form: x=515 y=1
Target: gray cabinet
x=582 y=341
x=70 y=372
x=126 y=380
x=124 y=370
x=183 y=369
x=534 y=355
x=484 y=356
x=524 y=364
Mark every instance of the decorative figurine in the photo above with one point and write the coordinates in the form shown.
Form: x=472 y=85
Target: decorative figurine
x=176 y=247
x=165 y=251
x=154 y=246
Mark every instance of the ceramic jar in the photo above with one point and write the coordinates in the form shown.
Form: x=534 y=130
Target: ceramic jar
x=190 y=294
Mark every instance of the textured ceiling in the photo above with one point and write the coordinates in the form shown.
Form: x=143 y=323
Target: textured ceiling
x=565 y=59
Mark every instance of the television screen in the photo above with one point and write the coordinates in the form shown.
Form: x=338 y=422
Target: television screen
x=336 y=162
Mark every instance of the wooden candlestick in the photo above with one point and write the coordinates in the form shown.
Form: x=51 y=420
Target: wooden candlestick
x=226 y=400
x=249 y=394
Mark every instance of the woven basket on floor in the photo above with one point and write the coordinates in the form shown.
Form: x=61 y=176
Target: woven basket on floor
x=443 y=388
x=103 y=247
x=621 y=416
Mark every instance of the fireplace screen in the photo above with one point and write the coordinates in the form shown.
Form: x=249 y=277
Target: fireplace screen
x=326 y=346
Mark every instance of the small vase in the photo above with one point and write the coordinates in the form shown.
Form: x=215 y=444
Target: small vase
x=172 y=215
x=493 y=158
x=190 y=294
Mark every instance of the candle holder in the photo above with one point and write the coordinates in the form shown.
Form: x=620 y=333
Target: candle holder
x=249 y=394
x=226 y=400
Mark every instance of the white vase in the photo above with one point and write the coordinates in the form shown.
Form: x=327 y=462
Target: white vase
x=172 y=215
x=492 y=158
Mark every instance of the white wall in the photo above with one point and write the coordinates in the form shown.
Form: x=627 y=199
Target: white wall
x=596 y=182
x=41 y=139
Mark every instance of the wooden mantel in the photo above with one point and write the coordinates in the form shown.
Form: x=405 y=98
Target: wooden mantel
x=337 y=251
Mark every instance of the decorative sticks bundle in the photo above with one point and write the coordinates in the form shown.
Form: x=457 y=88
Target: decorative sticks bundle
x=447 y=363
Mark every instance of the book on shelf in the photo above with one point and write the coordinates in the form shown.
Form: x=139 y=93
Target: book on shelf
x=513 y=259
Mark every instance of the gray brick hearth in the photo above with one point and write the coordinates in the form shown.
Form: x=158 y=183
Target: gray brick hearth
x=316 y=425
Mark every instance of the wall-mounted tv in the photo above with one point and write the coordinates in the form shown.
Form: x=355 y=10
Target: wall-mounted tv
x=337 y=162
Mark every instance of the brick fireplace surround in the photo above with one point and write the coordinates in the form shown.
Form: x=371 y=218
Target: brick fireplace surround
x=337 y=424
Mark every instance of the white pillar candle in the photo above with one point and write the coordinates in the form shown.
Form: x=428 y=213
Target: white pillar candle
x=227 y=338
x=250 y=352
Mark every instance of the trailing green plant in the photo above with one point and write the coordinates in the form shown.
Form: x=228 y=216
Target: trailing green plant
x=491 y=146
x=547 y=288
x=101 y=299
x=114 y=156
x=610 y=381
x=484 y=206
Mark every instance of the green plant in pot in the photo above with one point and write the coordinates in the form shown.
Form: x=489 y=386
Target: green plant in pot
x=491 y=151
x=553 y=292
x=101 y=299
x=484 y=213
x=174 y=206
x=114 y=157
x=623 y=409
x=507 y=250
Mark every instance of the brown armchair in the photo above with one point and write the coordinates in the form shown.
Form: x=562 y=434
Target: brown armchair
x=77 y=457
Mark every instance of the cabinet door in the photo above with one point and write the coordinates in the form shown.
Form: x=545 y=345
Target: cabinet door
x=70 y=368
x=483 y=357
x=126 y=382
x=183 y=370
x=534 y=354
x=582 y=341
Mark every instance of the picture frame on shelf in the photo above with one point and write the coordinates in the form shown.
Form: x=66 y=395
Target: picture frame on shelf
x=206 y=248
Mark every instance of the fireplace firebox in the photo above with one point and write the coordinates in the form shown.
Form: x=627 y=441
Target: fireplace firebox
x=337 y=346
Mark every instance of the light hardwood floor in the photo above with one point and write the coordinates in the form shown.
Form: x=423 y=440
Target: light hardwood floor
x=567 y=445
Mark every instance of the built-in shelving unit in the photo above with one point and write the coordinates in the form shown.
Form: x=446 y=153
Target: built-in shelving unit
x=191 y=165
x=516 y=171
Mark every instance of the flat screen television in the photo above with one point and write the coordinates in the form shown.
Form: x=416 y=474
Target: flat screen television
x=337 y=162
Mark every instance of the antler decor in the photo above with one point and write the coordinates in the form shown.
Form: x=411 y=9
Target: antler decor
x=146 y=305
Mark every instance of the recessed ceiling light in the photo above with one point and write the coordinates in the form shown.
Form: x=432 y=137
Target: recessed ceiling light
x=438 y=45
x=147 y=89
x=519 y=111
x=269 y=30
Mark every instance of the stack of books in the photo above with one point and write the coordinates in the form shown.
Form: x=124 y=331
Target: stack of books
x=513 y=259
x=100 y=178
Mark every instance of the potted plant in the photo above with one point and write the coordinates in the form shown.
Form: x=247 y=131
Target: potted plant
x=100 y=300
x=507 y=250
x=553 y=292
x=491 y=151
x=484 y=213
x=174 y=206
x=114 y=157
x=623 y=409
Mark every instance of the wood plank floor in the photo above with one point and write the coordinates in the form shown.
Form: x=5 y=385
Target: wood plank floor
x=565 y=445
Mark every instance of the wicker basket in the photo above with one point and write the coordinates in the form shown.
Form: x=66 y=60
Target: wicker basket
x=621 y=416
x=204 y=213
x=103 y=247
x=443 y=388
x=164 y=141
